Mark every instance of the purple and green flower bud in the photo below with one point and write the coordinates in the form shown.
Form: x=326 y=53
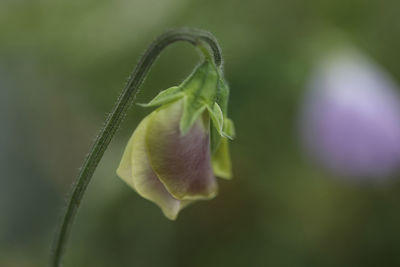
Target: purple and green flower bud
x=175 y=153
x=351 y=117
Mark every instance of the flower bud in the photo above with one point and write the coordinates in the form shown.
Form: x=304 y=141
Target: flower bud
x=170 y=158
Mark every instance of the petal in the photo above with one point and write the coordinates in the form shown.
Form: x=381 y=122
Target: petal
x=221 y=160
x=182 y=162
x=135 y=170
x=351 y=118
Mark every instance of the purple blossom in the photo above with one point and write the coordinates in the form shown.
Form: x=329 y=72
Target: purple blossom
x=351 y=117
x=166 y=167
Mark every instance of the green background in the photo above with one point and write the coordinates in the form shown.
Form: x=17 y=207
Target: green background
x=62 y=65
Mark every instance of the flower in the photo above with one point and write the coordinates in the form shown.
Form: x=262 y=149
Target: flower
x=351 y=117
x=174 y=153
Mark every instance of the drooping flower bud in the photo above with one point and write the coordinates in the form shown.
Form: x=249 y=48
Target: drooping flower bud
x=174 y=153
x=351 y=117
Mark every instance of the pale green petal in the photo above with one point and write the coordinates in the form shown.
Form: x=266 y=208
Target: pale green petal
x=221 y=160
x=135 y=170
x=164 y=97
x=182 y=162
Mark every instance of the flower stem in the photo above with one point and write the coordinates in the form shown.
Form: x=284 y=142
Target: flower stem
x=195 y=37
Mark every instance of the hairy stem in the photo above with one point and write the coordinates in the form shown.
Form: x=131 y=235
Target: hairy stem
x=195 y=37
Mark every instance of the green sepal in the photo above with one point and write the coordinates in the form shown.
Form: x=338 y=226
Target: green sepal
x=200 y=91
x=191 y=111
x=221 y=161
x=216 y=136
x=202 y=83
x=222 y=100
x=229 y=129
x=165 y=97
x=222 y=96
x=215 y=139
x=217 y=117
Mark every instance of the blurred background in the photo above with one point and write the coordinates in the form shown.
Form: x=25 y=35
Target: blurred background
x=62 y=65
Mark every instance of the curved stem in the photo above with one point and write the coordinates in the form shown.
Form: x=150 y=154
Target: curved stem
x=195 y=37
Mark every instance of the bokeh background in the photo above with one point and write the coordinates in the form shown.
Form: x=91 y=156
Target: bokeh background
x=62 y=65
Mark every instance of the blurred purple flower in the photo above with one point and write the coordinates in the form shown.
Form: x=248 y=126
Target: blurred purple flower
x=351 y=118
